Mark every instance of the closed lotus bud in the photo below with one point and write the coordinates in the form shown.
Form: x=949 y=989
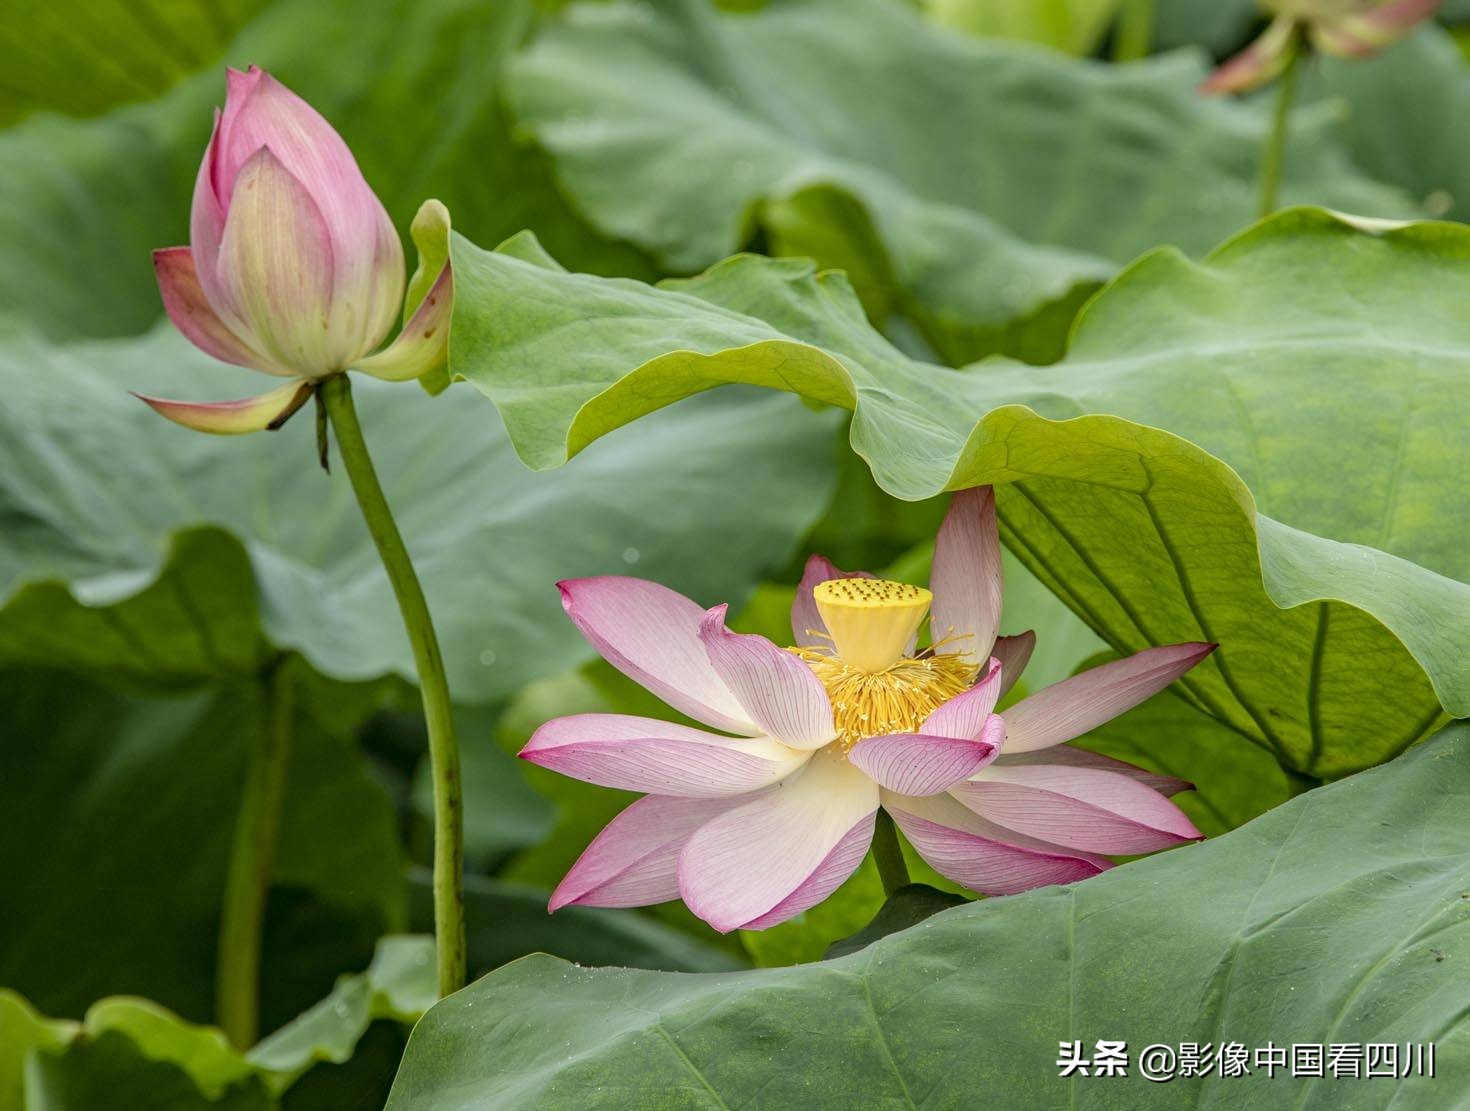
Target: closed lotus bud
x=1344 y=28
x=294 y=267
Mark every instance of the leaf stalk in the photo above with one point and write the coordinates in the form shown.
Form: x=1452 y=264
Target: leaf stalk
x=252 y=856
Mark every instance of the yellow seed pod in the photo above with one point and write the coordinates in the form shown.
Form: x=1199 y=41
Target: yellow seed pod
x=871 y=620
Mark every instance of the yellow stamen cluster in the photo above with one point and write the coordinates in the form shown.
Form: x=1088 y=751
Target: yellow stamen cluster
x=894 y=700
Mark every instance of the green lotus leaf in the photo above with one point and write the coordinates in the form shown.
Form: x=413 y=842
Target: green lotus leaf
x=120 y=815
x=163 y=559
x=982 y=189
x=128 y=49
x=1145 y=536
x=1341 y=917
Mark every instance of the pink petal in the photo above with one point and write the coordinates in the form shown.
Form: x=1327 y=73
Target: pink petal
x=1072 y=707
x=777 y=690
x=807 y=626
x=1014 y=653
x=1082 y=808
x=1072 y=757
x=840 y=863
x=651 y=634
x=966 y=715
x=1364 y=33
x=925 y=764
x=234 y=418
x=981 y=855
x=659 y=757
x=966 y=579
x=1257 y=64
x=632 y=862
x=192 y=314
x=367 y=273
x=207 y=229
x=789 y=847
x=276 y=263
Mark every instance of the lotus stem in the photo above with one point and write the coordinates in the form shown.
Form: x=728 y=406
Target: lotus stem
x=888 y=854
x=1275 y=153
x=252 y=855
x=449 y=934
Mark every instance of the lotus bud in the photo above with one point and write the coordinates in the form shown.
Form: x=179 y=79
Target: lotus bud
x=1343 y=28
x=294 y=267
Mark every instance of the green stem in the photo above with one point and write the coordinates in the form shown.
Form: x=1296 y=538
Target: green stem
x=1134 y=32
x=237 y=972
x=1275 y=153
x=443 y=752
x=888 y=854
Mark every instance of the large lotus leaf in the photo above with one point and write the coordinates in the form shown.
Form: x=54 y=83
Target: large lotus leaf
x=980 y=187
x=1405 y=117
x=1146 y=537
x=1341 y=917
x=398 y=986
x=127 y=1052
x=411 y=84
x=119 y=816
x=94 y=488
x=128 y=49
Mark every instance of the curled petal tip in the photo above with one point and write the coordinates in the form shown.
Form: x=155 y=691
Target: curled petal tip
x=233 y=418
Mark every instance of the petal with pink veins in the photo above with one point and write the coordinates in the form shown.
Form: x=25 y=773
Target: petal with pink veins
x=367 y=273
x=1014 y=653
x=659 y=757
x=1071 y=756
x=1072 y=707
x=840 y=863
x=981 y=855
x=807 y=626
x=276 y=262
x=968 y=714
x=784 y=851
x=966 y=579
x=633 y=861
x=234 y=418
x=924 y=763
x=207 y=229
x=192 y=314
x=1082 y=808
x=778 y=691
x=651 y=634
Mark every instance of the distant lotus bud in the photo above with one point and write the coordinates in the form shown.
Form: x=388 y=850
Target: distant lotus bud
x=1344 y=28
x=294 y=267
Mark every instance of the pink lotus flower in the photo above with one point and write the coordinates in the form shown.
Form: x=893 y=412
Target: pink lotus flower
x=758 y=822
x=1344 y=28
x=294 y=268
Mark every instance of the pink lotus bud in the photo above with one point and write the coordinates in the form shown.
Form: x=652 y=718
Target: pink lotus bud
x=1345 y=28
x=294 y=268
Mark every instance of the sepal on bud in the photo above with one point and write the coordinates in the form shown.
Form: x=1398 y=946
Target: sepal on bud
x=421 y=349
x=234 y=418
